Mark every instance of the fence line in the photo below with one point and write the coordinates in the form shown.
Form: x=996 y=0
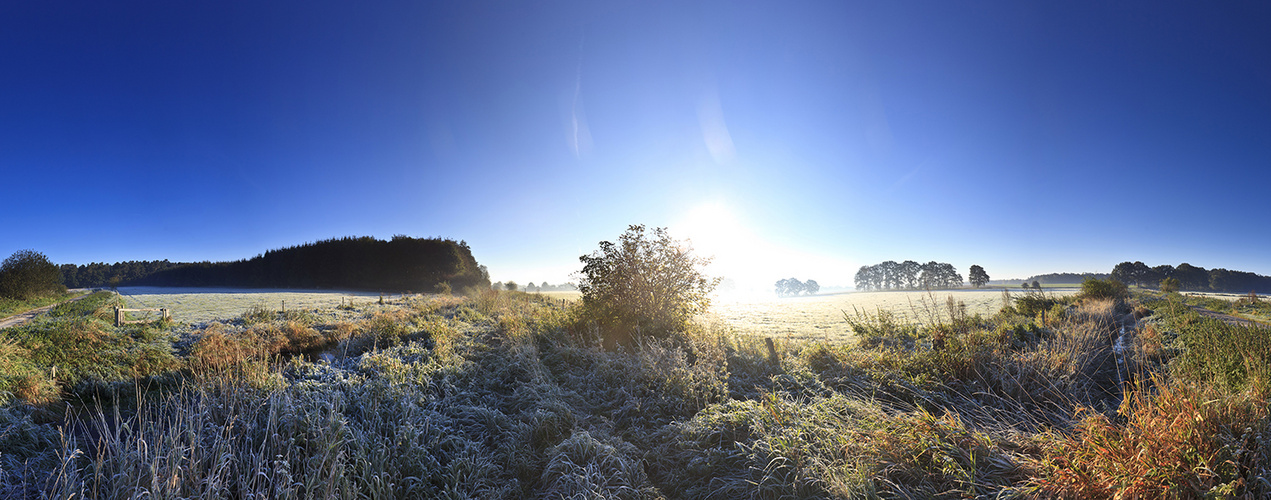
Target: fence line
x=121 y=315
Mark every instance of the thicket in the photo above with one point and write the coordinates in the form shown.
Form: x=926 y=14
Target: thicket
x=507 y=395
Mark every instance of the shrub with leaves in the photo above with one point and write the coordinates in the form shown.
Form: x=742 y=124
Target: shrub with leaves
x=646 y=284
x=28 y=274
x=1103 y=289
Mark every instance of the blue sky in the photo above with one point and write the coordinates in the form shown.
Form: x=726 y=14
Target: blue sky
x=787 y=139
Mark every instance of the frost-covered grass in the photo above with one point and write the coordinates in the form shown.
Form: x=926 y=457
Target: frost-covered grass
x=201 y=305
x=820 y=317
x=10 y=307
x=509 y=395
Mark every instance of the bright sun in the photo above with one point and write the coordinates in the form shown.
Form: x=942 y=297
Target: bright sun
x=715 y=232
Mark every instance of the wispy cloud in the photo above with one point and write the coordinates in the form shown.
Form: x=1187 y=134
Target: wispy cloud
x=580 y=135
x=714 y=131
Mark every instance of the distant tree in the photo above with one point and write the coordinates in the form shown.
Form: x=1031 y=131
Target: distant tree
x=545 y=286
x=1123 y=272
x=1221 y=280
x=1037 y=285
x=863 y=278
x=1058 y=278
x=498 y=285
x=1169 y=285
x=1133 y=273
x=1024 y=285
x=977 y=276
x=511 y=286
x=647 y=283
x=28 y=274
x=789 y=287
x=929 y=277
x=811 y=286
x=1191 y=277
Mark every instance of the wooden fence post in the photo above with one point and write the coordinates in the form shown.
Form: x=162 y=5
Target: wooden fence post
x=772 y=352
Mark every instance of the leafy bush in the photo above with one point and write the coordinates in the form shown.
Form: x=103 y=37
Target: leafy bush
x=28 y=274
x=1103 y=289
x=1032 y=304
x=647 y=284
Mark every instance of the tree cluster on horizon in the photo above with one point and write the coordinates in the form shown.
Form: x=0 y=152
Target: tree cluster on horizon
x=536 y=287
x=1191 y=277
x=790 y=287
x=907 y=275
x=1065 y=278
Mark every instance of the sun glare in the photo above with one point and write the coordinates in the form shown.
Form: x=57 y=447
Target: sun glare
x=749 y=262
x=738 y=254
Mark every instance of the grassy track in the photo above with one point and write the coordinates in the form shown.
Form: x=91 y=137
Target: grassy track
x=10 y=307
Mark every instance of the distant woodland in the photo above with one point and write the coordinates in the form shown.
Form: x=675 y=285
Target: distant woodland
x=1065 y=278
x=1191 y=277
x=364 y=263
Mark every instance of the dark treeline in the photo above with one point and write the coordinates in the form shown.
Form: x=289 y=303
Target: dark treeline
x=1066 y=278
x=1191 y=277
x=97 y=274
x=907 y=275
x=401 y=264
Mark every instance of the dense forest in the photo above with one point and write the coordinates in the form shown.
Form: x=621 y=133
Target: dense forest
x=1191 y=277
x=400 y=264
x=98 y=274
x=892 y=275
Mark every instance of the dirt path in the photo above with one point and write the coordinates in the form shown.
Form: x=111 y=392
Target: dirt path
x=21 y=318
x=1227 y=318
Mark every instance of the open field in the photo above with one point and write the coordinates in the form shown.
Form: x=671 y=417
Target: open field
x=201 y=305
x=565 y=295
x=820 y=317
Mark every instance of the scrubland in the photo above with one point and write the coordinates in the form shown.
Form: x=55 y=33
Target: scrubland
x=509 y=395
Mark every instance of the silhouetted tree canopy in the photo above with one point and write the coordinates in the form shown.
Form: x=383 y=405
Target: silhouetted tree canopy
x=977 y=276
x=401 y=264
x=908 y=275
x=1066 y=278
x=1190 y=277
